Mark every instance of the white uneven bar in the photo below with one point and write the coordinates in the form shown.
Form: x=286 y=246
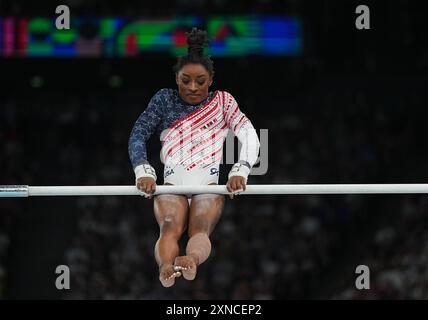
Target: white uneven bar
x=29 y=191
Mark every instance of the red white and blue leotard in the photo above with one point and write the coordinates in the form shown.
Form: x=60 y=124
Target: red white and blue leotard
x=192 y=136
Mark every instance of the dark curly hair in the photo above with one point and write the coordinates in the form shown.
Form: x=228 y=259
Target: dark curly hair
x=196 y=41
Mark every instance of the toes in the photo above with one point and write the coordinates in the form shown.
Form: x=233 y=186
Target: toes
x=186 y=266
x=180 y=268
x=174 y=275
x=168 y=279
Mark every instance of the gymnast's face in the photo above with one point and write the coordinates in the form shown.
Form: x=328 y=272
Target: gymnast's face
x=193 y=82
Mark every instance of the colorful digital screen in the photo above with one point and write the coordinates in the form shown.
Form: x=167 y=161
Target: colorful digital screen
x=230 y=36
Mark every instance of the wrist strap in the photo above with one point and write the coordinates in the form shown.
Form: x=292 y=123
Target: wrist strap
x=240 y=170
x=144 y=170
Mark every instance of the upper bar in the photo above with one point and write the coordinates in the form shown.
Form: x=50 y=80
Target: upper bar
x=28 y=191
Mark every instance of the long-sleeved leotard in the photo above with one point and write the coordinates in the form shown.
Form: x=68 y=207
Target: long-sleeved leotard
x=192 y=136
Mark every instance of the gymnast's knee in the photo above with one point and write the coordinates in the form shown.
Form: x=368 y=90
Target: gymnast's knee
x=170 y=227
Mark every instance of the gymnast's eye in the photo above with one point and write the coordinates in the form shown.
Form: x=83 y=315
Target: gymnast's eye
x=185 y=81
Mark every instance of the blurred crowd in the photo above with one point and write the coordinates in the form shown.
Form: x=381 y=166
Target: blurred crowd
x=398 y=258
x=4 y=248
x=264 y=247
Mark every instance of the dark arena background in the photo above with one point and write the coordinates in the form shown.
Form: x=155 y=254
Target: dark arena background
x=341 y=105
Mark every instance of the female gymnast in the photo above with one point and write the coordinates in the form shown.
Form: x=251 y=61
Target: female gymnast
x=192 y=123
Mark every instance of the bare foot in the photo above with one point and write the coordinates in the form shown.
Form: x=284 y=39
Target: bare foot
x=167 y=275
x=187 y=265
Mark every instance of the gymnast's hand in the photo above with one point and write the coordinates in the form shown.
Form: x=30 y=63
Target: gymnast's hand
x=147 y=185
x=235 y=185
x=145 y=179
x=238 y=178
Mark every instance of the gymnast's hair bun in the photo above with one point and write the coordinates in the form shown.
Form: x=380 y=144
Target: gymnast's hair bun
x=196 y=40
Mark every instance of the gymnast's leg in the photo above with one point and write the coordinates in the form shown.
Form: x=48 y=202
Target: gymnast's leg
x=171 y=214
x=205 y=211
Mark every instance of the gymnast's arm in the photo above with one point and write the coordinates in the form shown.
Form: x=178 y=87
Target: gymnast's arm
x=246 y=134
x=144 y=127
